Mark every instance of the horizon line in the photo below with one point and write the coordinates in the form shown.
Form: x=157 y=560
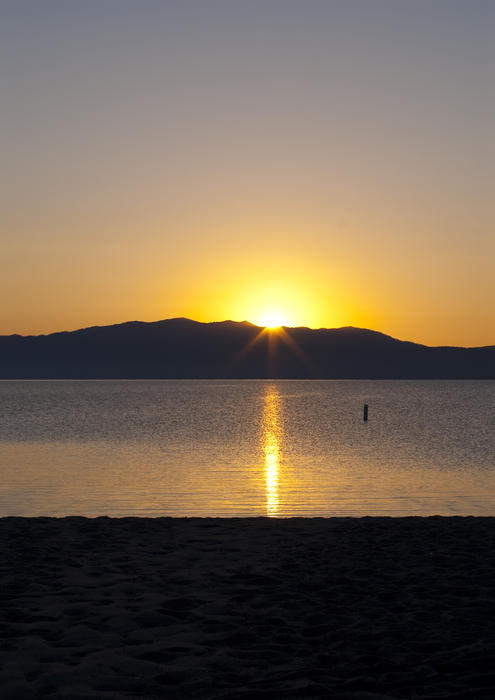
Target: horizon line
x=243 y=322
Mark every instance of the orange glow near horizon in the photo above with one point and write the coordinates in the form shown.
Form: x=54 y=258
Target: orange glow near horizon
x=294 y=293
x=290 y=300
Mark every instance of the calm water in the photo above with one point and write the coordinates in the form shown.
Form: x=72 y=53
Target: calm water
x=225 y=448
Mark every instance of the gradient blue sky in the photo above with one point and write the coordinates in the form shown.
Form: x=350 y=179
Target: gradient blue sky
x=333 y=161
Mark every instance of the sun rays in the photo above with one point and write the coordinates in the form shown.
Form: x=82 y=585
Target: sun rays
x=269 y=340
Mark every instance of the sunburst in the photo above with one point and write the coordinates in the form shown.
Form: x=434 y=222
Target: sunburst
x=272 y=319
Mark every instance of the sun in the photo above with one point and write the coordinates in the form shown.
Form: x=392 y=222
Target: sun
x=272 y=319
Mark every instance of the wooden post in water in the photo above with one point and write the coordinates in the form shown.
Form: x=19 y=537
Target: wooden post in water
x=365 y=412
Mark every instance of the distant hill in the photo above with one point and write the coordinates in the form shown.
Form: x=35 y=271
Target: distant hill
x=181 y=348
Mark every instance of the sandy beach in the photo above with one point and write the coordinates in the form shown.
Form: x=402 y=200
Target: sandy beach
x=354 y=609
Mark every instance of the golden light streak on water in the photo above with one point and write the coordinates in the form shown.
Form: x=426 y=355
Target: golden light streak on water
x=271 y=444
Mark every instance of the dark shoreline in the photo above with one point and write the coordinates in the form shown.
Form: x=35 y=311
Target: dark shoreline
x=350 y=608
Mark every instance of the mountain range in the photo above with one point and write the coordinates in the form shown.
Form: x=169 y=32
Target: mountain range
x=181 y=348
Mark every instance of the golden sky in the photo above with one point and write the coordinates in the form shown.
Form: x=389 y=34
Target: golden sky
x=326 y=163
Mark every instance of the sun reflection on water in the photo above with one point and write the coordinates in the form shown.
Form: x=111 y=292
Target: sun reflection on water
x=271 y=445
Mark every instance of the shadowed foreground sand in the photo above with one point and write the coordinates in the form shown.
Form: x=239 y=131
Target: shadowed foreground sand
x=250 y=608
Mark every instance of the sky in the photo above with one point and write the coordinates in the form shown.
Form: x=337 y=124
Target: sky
x=328 y=163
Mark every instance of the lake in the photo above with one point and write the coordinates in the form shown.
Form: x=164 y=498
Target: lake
x=247 y=448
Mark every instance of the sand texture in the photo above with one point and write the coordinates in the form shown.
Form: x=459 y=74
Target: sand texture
x=248 y=608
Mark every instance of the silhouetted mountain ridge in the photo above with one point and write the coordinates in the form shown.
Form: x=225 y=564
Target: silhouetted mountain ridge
x=183 y=348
